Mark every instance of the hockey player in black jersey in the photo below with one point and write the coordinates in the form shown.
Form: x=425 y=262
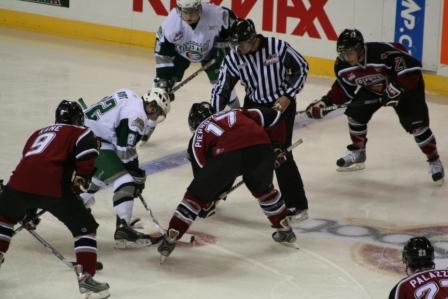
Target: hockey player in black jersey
x=372 y=75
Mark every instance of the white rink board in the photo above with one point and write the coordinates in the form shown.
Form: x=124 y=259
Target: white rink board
x=376 y=19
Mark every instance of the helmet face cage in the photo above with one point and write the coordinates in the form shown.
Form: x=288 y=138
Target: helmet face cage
x=350 y=39
x=69 y=112
x=159 y=102
x=198 y=112
x=242 y=31
x=418 y=253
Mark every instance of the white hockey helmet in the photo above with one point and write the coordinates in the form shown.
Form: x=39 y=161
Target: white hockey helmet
x=188 y=4
x=160 y=101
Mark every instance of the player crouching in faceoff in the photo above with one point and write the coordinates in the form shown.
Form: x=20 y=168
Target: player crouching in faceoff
x=423 y=280
x=119 y=121
x=224 y=146
x=43 y=180
x=372 y=75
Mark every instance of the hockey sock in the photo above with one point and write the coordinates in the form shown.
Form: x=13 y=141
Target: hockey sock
x=123 y=208
x=85 y=250
x=186 y=213
x=427 y=142
x=358 y=133
x=273 y=206
x=6 y=233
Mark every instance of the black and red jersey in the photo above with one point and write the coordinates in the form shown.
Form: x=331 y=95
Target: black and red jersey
x=426 y=284
x=383 y=63
x=232 y=130
x=51 y=156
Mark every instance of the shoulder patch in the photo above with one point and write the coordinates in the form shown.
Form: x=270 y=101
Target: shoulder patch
x=139 y=124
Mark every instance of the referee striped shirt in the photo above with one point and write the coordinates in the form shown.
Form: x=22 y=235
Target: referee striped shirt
x=275 y=69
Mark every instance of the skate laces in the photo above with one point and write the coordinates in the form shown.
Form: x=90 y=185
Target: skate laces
x=354 y=156
x=436 y=167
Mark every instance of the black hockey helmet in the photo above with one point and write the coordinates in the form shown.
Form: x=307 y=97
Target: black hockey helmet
x=242 y=30
x=198 y=112
x=69 y=112
x=350 y=39
x=418 y=253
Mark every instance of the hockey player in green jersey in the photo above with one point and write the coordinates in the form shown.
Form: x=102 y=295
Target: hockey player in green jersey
x=119 y=121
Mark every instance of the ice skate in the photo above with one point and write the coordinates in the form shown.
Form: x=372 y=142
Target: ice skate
x=285 y=234
x=168 y=244
x=296 y=215
x=126 y=237
x=437 y=172
x=353 y=160
x=89 y=287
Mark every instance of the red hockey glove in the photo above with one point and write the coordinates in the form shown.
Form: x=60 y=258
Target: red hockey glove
x=316 y=108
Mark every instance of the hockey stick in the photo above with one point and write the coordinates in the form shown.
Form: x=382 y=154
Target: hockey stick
x=192 y=76
x=234 y=187
x=332 y=108
x=98 y=266
x=190 y=237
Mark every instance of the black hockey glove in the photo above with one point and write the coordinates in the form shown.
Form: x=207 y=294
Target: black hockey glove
x=209 y=211
x=166 y=85
x=391 y=95
x=30 y=221
x=80 y=184
x=139 y=176
x=280 y=157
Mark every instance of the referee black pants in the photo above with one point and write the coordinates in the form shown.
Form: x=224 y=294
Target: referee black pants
x=288 y=176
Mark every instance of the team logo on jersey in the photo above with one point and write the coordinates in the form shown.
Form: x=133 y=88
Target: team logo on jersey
x=178 y=35
x=370 y=80
x=194 y=56
x=271 y=59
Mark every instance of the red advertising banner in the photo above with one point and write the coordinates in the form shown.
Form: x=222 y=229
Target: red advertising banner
x=444 y=47
x=306 y=15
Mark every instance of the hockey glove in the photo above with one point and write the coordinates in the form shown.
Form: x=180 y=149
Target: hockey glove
x=391 y=95
x=166 y=85
x=139 y=176
x=30 y=221
x=316 y=108
x=280 y=157
x=80 y=184
x=210 y=210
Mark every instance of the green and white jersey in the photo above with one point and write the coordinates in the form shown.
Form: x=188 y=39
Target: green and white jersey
x=120 y=121
x=175 y=36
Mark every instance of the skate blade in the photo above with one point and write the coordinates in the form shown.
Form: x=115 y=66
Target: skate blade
x=123 y=244
x=439 y=182
x=353 y=167
x=99 y=295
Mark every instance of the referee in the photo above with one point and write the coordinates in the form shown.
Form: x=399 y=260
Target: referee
x=272 y=73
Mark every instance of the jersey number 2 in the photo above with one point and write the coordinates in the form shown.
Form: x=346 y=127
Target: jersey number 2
x=430 y=290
